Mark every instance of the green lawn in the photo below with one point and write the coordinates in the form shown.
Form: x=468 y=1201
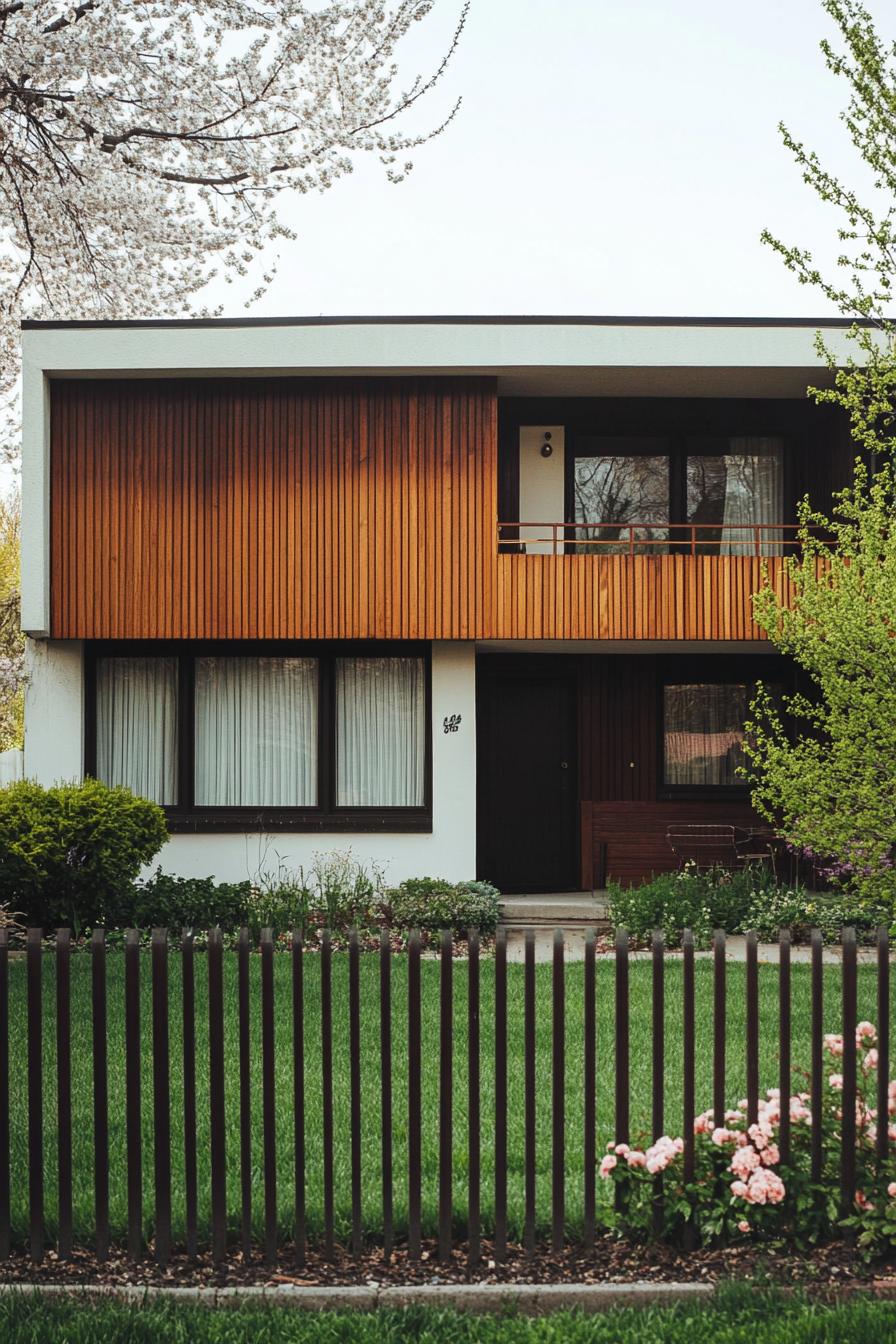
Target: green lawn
x=640 y=1078
x=737 y=1317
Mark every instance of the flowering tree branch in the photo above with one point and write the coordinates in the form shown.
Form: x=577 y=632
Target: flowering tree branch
x=144 y=146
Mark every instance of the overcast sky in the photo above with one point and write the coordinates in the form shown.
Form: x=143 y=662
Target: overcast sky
x=609 y=158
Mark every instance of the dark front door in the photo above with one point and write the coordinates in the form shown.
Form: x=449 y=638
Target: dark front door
x=528 y=791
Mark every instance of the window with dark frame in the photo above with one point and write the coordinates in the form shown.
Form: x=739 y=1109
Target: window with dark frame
x=703 y=732
x=635 y=494
x=316 y=735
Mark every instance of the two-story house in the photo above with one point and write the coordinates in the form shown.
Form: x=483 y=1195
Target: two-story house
x=471 y=595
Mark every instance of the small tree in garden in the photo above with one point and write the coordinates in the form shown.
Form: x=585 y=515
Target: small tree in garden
x=144 y=147
x=830 y=786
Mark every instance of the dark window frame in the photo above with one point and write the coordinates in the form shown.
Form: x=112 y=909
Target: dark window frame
x=680 y=446
x=188 y=816
x=695 y=673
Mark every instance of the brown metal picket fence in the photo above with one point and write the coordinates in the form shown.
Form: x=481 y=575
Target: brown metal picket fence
x=161 y=1176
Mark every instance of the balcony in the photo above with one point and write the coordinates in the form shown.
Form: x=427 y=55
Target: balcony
x=759 y=540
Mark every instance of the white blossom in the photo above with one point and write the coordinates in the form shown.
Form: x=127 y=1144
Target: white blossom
x=144 y=146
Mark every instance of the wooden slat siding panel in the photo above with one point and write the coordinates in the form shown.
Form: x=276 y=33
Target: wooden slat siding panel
x=274 y=508
x=635 y=833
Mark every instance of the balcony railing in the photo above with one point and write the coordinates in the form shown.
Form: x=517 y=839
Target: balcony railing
x=750 y=539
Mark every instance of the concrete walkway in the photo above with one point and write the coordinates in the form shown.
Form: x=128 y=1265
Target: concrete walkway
x=577 y=912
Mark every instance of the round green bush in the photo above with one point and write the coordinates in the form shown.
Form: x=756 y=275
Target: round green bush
x=70 y=853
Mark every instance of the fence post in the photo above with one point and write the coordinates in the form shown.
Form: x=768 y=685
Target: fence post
x=354 y=1065
x=784 y=1079
x=883 y=1041
x=558 y=1115
x=848 y=1126
x=688 y=1029
x=100 y=1092
x=752 y=977
x=217 y=1119
x=414 y=1115
x=298 y=1091
x=590 y=1077
x=473 y=1113
x=817 y=1030
x=659 y=1067
x=34 y=975
x=500 y=1095
x=243 y=1003
x=5 y=1209
x=529 y=1084
x=622 y=1048
x=161 y=1089
x=64 y=1090
x=133 y=1098
x=386 y=1090
x=446 y=1042
x=188 y=982
x=718 y=1021
x=326 y=1059
x=268 y=1096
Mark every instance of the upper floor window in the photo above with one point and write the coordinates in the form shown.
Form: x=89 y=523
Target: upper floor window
x=621 y=492
x=735 y=495
x=317 y=738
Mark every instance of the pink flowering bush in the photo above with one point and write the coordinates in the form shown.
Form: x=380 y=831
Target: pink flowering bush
x=741 y=1189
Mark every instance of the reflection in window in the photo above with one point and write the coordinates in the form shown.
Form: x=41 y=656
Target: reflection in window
x=703 y=732
x=730 y=493
x=621 y=493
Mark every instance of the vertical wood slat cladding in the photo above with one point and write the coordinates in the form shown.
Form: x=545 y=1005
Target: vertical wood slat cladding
x=631 y=597
x=332 y=508
x=273 y=508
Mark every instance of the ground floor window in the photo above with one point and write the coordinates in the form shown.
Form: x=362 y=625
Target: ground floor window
x=334 y=736
x=703 y=732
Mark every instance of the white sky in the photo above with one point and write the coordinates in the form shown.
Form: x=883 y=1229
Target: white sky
x=609 y=158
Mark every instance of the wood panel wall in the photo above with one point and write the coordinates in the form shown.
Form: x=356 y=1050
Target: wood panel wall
x=631 y=597
x=273 y=508
x=331 y=509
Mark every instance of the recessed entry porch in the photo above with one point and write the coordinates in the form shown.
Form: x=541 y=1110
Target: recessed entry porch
x=588 y=755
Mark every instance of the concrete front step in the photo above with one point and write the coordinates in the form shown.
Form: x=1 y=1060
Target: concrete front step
x=562 y=910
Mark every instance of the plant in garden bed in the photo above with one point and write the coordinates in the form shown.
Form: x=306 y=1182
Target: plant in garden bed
x=741 y=1188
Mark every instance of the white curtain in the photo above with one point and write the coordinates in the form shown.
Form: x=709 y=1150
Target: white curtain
x=256 y=732
x=753 y=494
x=703 y=732
x=136 y=725
x=380 y=732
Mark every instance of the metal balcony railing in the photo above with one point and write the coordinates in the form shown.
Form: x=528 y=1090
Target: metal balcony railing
x=750 y=539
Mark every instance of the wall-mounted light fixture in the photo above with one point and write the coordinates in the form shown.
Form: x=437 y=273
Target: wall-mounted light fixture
x=547 y=447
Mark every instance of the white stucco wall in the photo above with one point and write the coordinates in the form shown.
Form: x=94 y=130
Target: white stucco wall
x=54 y=710
x=54 y=728
x=542 y=486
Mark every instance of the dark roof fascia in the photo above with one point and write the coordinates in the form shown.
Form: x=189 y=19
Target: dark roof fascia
x=814 y=323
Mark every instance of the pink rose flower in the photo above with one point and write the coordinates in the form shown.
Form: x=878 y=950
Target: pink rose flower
x=635 y=1158
x=739 y=1189
x=606 y=1166
x=743 y=1225
x=833 y=1044
x=891 y=1189
x=865 y=1031
x=836 y=1081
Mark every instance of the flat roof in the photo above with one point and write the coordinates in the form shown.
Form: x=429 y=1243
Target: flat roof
x=442 y=319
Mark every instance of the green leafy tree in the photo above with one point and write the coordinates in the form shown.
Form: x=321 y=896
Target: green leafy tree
x=823 y=765
x=828 y=778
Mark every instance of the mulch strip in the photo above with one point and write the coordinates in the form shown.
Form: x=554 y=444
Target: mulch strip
x=835 y=1266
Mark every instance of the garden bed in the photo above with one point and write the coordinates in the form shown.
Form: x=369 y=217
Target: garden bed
x=611 y=1260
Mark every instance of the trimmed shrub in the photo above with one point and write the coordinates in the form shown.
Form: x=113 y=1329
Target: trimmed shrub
x=431 y=904
x=70 y=853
